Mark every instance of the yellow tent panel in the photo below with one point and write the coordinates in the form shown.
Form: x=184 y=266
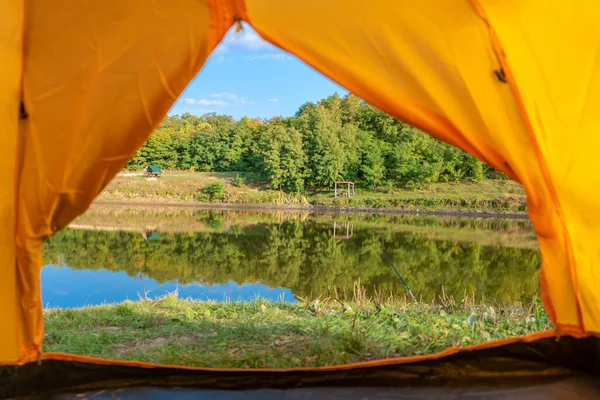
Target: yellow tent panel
x=553 y=58
x=11 y=27
x=97 y=77
x=434 y=64
x=515 y=83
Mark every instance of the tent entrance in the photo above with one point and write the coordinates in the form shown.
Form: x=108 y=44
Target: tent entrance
x=541 y=368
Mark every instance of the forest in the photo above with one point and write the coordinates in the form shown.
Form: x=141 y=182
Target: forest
x=337 y=138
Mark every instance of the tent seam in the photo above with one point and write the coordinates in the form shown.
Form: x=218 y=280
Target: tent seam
x=17 y=184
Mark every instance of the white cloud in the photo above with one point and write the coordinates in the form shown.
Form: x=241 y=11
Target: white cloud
x=224 y=99
x=177 y=109
x=273 y=100
x=269 y=56
x=204 y=102
x=225 y=95
x=232 y=98
x=246 y=40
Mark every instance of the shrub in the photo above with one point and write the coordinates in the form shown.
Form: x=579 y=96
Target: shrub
x=388 y=187
x=215 y=190
x=238 y=180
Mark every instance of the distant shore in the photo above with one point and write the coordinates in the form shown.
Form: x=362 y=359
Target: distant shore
x=315 y=208
x=489 y=198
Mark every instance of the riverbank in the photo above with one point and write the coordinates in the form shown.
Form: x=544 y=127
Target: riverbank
x=259 y=334
x=230 y=190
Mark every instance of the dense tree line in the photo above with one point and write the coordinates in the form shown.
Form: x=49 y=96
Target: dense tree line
x=333 y=139
x=304 y=257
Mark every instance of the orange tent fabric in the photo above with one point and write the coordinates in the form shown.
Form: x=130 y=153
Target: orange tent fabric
x=515 y=83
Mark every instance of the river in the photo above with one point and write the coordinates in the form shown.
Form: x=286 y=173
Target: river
x=111 y=254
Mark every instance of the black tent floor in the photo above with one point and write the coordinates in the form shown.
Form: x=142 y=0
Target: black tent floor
x=585 y=387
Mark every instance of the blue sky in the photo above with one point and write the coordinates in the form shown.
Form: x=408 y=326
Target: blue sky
x=247 y=76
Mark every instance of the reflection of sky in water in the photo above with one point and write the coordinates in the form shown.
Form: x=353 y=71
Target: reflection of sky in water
x=68 y=288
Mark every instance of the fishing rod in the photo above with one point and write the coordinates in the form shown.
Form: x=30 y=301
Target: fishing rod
x=397 y=273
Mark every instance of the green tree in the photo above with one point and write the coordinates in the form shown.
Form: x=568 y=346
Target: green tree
x=326 y=156
x=284 y=160
x=351 y=148
x=372 y=165
x=381 y=125
x=339 y=137
x=415 y=159
x=350 y=108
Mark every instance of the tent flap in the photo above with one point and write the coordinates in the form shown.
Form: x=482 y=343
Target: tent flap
x=558 y=87
x=435 y=65
x=11 y=43
x=97 y=78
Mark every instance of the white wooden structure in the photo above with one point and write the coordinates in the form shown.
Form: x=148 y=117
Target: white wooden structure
x=350 y=186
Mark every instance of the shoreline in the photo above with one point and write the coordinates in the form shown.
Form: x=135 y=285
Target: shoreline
x=314 y=209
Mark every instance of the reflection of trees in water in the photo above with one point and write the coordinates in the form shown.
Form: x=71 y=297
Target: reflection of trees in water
x=184 y=219
x=306 y=258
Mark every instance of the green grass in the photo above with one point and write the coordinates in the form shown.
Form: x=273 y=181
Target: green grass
x=489 y=195
x=268 y=334
x=177 y=187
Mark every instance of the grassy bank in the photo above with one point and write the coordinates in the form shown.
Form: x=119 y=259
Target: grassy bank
x=498 y=196
x=263 y=334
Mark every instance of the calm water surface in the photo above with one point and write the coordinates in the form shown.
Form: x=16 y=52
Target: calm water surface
x=112 y=254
